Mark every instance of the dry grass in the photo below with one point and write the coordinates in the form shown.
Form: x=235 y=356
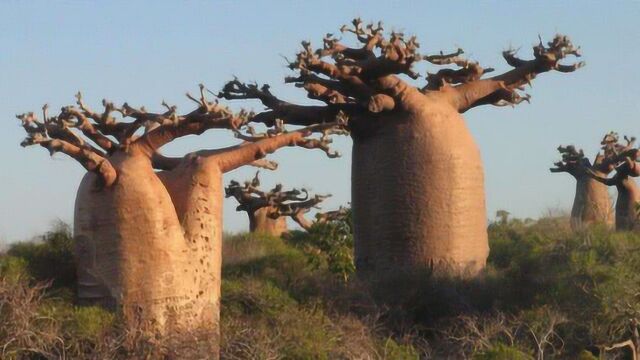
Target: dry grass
x=547 y=293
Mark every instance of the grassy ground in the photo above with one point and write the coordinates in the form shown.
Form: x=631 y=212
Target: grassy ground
x=546 y=293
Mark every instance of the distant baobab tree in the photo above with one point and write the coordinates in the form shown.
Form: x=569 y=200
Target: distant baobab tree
x=591 y=204
x=417 y=178
x=623 y=158
x=148 y=227
x=268 y=210
x=258 y=206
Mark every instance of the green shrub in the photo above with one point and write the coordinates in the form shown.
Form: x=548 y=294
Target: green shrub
x=50 y=258
x=502 y=352
x=329 y=245
x=13 y=268
x=547 y=291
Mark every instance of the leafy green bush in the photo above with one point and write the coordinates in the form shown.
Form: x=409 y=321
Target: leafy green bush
x=50 y=258
x=13 y=268
x=328 y=244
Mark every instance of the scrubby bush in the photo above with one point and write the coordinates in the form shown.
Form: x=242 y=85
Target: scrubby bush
x=49 y=258
x=328 y=244
x=278 y=306
x=547 y=292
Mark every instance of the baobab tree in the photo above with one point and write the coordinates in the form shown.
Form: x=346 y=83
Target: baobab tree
x=268 y=210
x=297 y=207
x=591 y=204
x=256 y=203
x=622 y=158
x=148 y=227
x=417 y=179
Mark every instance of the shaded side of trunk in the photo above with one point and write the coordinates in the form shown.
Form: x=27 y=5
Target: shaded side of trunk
x=592 y=204
x=626 y=203
x=418 y=197
x=97 y=245
x=259 y=221
x=154 y=246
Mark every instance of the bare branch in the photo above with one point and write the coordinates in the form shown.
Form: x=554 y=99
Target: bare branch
x=296 y=208
x=546 y=58
x=248 y=195
x=469 y=71
x=341 y=214
x=265 y=164
x=55 y=137
x=573 y=161
x=259 y=145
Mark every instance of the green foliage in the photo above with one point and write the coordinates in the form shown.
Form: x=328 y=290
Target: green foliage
x=502 y=352
x=91 y=322
x=547 y=292
x=329 y=244
x=50 y=258
x=13 y=268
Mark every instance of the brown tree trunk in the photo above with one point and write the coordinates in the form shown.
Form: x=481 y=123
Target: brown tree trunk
x=151 y=244
x=418 y=196
x=591 y=204
x=626 y=204
x=260 y=222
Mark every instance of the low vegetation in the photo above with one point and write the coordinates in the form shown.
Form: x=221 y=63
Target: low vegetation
x=548 y=292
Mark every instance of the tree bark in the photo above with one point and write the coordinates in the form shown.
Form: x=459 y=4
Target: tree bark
x=418 y=195
x=260 y=222
x=592 y=204
x=626 y=203
x=151 y=244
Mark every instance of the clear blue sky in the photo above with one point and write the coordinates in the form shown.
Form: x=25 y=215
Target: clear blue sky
x=147 y=51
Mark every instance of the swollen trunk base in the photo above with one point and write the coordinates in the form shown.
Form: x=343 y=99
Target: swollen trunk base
x=418 y=197
x=150 y=245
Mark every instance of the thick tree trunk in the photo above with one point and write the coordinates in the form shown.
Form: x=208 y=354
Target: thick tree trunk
x=626 y=203
x=260 y=222
x=591 y=204
x=152 y=246
x=418 y=196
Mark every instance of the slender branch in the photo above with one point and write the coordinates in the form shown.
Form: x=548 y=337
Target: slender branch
x=628 y=343
x=279 y=109
x=248 y=196
x=297 y=208
x=259 y=146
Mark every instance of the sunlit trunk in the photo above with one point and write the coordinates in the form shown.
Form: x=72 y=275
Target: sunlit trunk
x=418 y=196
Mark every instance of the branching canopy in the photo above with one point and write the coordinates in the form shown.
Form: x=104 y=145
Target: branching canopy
x=612 y=156
x=621 y=157
x=365 y=79
x=93 y=137
x=573 y=160
x=294 y=203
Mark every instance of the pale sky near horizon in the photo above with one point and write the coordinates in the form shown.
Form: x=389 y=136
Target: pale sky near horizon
x=146 y=51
